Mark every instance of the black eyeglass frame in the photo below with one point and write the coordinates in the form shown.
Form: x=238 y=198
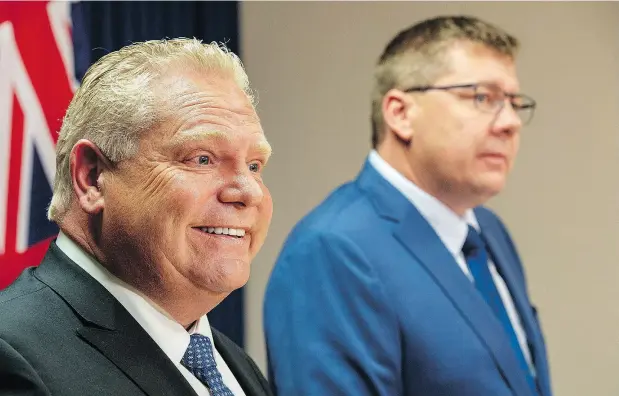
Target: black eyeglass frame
x=528 y=104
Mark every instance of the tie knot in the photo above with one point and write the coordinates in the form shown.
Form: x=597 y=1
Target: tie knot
x=473 y=242
x=199 y=353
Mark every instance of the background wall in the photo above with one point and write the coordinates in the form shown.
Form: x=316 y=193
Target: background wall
x=311 y=64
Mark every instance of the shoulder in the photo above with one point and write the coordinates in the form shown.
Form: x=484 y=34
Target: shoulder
x=22 y=288
x=22 y=298
x=341 y=218
x=30 y=304
x=17 y=376
x=342 y=205
x=28 y=312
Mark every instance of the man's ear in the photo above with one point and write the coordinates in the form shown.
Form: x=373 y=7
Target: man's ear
x=87 y=163
x=396 y=108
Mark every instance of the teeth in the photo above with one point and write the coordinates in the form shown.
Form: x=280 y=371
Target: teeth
x=224 y=231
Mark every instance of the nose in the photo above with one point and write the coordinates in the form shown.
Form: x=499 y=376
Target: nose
x=242 y=189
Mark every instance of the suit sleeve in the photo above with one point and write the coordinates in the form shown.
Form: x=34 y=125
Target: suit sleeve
x=17 y=377
x=329 y=327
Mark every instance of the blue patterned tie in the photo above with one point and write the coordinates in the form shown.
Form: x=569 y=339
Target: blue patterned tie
x=474 y=250
x=200 y=360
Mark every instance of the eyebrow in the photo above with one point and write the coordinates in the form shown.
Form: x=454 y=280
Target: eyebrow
x=498 y=85
x=262 y=146
x=197 y=135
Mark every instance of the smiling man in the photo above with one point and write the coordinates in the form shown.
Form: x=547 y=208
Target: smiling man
x=161 y=205
x=401 y=282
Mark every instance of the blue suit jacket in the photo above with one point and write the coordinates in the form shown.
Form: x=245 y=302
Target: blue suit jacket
x=366 y=300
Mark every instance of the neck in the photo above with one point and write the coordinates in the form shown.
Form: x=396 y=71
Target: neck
x=172 y=293
x=397 y=156
x=185 y=304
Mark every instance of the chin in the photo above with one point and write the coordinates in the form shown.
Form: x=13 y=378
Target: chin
x=227 y=277
x=490 y=186
x=238 y=280
x=493 y=189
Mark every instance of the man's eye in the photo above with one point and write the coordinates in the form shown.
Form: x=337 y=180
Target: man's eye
x=482 y=98
x=204 y=160
x=254 y=167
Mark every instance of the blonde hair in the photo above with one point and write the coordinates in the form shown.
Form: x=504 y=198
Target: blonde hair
x=117 y=101
x=417 y=56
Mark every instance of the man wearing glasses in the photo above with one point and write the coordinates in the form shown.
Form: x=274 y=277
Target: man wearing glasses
x=401 y=282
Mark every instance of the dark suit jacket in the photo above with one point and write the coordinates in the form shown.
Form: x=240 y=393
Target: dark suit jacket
x=63 y=334
x=366 y=300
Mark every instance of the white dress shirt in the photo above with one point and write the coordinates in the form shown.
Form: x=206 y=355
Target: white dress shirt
x=452 y=229
x=170 y=335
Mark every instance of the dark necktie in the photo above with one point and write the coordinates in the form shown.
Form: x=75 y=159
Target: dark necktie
x=200 y=360
x=476 y=255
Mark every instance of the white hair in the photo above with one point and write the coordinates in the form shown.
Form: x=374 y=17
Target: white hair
x=116 y=101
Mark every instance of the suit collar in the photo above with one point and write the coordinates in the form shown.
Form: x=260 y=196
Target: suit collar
x=421 y=240
x=388 y=202
x=110 y=329
x=85 y=295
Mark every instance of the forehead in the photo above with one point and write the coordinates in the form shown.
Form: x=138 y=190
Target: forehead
x=474 y=63
x=213 y=103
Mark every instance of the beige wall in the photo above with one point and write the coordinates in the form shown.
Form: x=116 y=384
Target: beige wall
x=311 y=63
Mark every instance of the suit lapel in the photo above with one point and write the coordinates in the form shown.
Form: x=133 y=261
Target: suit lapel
x=518 y=294
x=140 y=359
x=110 y=329
x=422 y=242
x=238 y=365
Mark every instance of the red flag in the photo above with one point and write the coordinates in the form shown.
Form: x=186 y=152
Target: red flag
x=36 y=85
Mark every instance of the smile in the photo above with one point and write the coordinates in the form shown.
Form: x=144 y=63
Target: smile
x=236 y=232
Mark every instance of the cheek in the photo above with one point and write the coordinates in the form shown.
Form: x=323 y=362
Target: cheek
x=265 y=210
x=453 y=148
x=267 y=207
x=188 y=201
x=172 y=202
x=265 y=213
x=445 y=136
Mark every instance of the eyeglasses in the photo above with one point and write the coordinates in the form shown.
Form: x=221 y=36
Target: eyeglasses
x=488 y=98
